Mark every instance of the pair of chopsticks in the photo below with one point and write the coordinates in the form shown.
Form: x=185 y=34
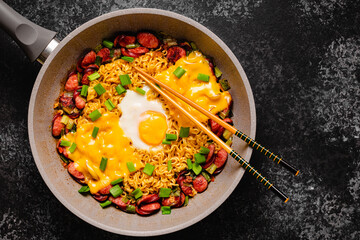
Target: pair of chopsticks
x=145 y=76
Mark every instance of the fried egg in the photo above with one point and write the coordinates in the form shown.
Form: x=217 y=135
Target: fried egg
x=143 y=121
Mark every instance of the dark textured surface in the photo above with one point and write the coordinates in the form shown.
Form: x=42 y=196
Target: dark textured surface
x=303 y=63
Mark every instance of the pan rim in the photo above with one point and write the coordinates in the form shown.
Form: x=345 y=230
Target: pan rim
x=83 y=27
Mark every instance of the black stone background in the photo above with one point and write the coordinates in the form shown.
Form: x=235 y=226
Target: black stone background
x=302 y=61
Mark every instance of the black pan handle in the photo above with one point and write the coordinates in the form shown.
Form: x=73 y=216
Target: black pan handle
x=32 y=38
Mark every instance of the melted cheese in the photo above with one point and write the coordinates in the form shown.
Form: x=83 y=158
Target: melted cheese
x=205 y=94
x=111 y=143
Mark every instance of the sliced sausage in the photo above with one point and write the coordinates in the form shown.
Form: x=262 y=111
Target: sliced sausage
x=151 y=207
x=221 y=158
x=75 y=173
x=170 y=201
x=200 y=183
x=85 y=80
x=72 y=83
x=123 y=40
x=186 y=46
x=211 y=147
x=175 y=53
x=148 y=40
x=91 y=67
x=117 y=53
x=186 y=186
x=119 y=202
x=208 y=163
x=66 y=102
x=126 y=52
x=148 y=199
x=80 y=102
x=105 y=190
x=104 y=53
x=181 y=200
x=138 y=50
x=78 y=65
x=88 y=59
x=61 y=150
x=57 y=126
x=99 y=197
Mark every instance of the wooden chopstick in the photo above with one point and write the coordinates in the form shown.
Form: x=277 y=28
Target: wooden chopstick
x=216 y=139
x=251 y=142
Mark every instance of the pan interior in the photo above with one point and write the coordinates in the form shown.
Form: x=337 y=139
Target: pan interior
x=51 y=80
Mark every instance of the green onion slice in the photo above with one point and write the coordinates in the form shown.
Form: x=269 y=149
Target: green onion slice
x=64 y=119
x=84 y=189
x=98 y=60
x=204 y=150
x=165 y=210
x=186 y=201
x=84 y=90
x=94 y=76
x=95 y=115
x=70 y=124
x=193 y=46
x=117 y=181
x=105 y=204
x=179 y=72
x=130 y=208
x=199 y=158
x=120 y=89
x=95 y=132
x=131 y=167
x=108 y=44
x=203 y=77
x=166 y=142
x=211 y=169
x=224 y=84
x=133 y=45
x=170 y=137
x=112 y=53
x=164 y=192
x=109 y=104
x=184 y=132
x=103 y=163
x=137 y=193
x=72 y=147
x=141 y=91
x=125 y=79
x=148 y=169
x=64 y=143
x=206 y=176
x=169 y=165
x=196 y=168
x=126 y=58
x=217 y=71
x=116 y=191
x=99 y=89
x=189 y=163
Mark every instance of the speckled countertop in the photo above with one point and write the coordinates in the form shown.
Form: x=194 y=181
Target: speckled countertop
x=303 y=63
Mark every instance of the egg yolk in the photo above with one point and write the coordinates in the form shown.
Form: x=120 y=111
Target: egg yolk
x=205 y=94
x=110 y=142
x=152 y=127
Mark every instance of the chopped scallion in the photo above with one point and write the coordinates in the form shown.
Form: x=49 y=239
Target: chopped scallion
x=227 y=134
x=95 y=132
x=224 y=84
x=170 y=137
x=133 y=45
x=186 y=201
x=184 y=132
x=229 y=142
x=116 y=191
x=84 y=189
x=98 y=48
x=94 y=76
x=108 y=44
x=203 y=77
x=206 y=176
x=120 y=89
x=105 y=204
x=164 y=192
x=84 y=90
x=204 y=150
x=199 y=158
x=126 y=58
x=166 y=142
x=193 y=46
x=125 y=79
x=98 y=60
x=130 y=209
x=112 y=53
x=196 y=168
x=211 y=169
x=64 y=119
x=141 y=91
x=103 y=163
x=169 y=165
x=189 y=163
x=165 y=210
x=109 y=104
x=99 y=89
x=95 y=115
x=179 y=72
x=137 y=193
x=117 y=181
x=217 y=71
x=70 y=124
x=64 y=143
x=148 y=169
x=72 y=147
x=131 y=167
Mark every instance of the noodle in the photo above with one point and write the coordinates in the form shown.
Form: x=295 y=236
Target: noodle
x=178 y=152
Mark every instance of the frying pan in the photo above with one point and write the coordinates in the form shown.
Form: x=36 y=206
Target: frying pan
x=59 y=58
